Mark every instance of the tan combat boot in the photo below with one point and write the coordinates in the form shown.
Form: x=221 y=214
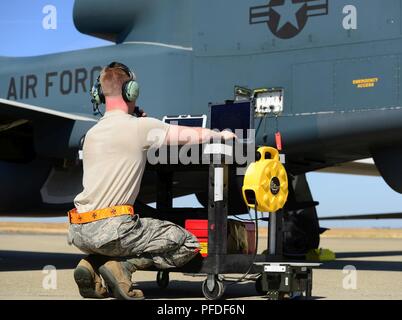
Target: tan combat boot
x=118 y=280
x=86 y=276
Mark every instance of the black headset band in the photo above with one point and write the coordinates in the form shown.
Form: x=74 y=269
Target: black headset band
x=123 y=67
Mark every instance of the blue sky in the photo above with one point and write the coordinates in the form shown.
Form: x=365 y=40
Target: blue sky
x=22 y=34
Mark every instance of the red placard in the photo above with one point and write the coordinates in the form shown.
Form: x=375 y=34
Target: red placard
x=278 y=140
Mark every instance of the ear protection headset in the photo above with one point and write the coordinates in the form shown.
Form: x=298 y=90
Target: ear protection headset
x=130 y=88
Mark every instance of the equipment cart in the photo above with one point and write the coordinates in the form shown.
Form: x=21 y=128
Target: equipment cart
x=276 y=277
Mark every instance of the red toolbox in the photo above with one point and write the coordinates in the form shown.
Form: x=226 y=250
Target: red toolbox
x=199 y=228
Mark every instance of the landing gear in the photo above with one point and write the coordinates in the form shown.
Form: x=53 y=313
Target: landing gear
x=213 y=289
x=258 y=286
x=162 y=279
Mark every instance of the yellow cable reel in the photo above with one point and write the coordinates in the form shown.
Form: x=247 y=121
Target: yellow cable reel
x=266 y=182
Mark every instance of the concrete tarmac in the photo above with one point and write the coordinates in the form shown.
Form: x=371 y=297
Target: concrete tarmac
x=23 y=258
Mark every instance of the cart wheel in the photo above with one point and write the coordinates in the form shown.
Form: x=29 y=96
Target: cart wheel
x=277 y=295
x=215 y=294
x=258 y=286
x=309 y=289
x=162 y=279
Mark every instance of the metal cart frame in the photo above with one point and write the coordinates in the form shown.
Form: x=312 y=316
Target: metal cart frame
x=218 y=261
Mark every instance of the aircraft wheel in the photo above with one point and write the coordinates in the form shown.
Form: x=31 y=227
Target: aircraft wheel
x=162 y=279
x=258 y=286
x=216 y=293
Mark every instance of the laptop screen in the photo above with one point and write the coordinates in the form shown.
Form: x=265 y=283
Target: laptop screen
x=232 y=116
x=188 y=121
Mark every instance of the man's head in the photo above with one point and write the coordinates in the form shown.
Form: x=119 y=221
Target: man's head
x=116 y=82
x=112 y=81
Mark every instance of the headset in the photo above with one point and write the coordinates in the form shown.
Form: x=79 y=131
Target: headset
x=130 y=88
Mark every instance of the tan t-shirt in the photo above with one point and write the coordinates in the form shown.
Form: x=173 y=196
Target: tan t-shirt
x=114 y=159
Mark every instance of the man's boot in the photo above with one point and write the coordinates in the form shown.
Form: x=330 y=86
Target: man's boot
x=86 y=276
x=143 y=262
x=118 y=280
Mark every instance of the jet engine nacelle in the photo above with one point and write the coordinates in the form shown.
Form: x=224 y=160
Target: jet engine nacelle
x=21 y=183
x=101 y=19
x=388 y=162
x=135 y=20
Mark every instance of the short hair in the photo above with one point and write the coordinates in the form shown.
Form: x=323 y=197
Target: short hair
x=112 y=80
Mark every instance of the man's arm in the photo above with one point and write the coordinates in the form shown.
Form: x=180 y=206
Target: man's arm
x=178 y=135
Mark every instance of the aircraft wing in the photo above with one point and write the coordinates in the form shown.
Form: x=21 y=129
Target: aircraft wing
x=365 y=167
x=27 y=130
x=376 y=216
x=38 y=157
x=15 y=109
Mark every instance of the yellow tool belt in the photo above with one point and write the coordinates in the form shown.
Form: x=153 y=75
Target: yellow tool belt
x=100 y=214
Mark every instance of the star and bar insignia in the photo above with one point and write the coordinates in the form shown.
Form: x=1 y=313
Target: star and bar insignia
x=287 y=18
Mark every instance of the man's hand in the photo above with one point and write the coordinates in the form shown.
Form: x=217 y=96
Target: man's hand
x=140 y=113
x=143 y=113
x=228 y=135
x=178 y=135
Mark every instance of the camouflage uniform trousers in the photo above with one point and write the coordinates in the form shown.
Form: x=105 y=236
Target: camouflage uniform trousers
x=143 y=243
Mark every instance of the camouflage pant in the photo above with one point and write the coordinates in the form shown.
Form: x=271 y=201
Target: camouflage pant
x=142 y=242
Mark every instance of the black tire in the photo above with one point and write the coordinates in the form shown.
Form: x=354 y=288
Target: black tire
x=216 y=293
x=162 y=279
x=258 y=286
